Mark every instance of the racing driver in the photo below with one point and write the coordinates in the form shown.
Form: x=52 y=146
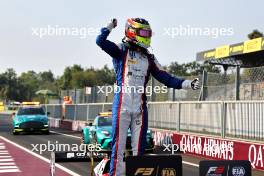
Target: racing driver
x=133 y=65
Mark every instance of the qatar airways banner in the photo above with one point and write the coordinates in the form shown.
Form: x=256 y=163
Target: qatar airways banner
x=211 y=147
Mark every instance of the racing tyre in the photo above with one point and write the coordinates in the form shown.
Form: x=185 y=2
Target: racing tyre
x=83 y=146
x=46 y=132
x=15 y=133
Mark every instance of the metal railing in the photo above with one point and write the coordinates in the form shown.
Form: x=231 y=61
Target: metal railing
x=236 y=119
x=82 y=112
x=245 y=119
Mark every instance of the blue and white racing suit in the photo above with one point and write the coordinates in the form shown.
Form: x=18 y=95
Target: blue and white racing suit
x=133 y=69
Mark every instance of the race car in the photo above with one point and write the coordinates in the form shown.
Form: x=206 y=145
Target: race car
x=100 y=132
x=30 y=118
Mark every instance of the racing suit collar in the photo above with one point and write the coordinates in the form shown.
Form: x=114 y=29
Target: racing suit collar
x=132 y=46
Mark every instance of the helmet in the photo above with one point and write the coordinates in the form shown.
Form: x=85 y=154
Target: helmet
x=138 y=31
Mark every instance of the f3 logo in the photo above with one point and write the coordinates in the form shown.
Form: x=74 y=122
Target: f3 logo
x=216 y=170
x=144 y=171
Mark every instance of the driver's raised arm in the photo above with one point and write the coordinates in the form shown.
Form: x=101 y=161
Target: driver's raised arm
x=109 y=47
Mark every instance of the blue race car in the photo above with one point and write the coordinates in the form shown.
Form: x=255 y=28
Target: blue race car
x=30 y=119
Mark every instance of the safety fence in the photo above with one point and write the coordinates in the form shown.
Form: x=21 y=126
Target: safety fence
x=99 y=94
x=236 y=119
x=235 y=84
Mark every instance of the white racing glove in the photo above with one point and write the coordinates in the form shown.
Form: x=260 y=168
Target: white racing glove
x=111 y=24
x=191 y=84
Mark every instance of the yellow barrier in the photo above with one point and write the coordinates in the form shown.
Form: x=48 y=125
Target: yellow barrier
x=2 y=106
x=30 y=103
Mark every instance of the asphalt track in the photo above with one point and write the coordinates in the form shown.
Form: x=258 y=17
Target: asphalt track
x=190 y=163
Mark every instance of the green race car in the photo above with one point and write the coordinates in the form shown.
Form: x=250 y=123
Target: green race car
x=30 y=119
x=100 y=132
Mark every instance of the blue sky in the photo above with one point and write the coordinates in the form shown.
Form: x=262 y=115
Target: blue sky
x=21 y=50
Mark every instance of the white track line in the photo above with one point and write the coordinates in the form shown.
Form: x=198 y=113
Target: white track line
x=7 y=156
x=6 y=160
x=8 y=164
x=68 y=135
x=8 y=167
x=40 y=157
x=72 y=136
x=9 y=170
x=4 y=153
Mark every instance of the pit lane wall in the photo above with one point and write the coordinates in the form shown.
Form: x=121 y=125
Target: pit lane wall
x=73 y=125
x=212 y=147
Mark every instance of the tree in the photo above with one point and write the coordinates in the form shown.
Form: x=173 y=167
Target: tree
x=78 y=80
x=3 y=82
x=76 y=68
x=191 y=69
x=210 y=68
x=252 y=74
x=8 y=90
x=31 y=82
x=177 y=69
x=255 y=34
x=48 y=81
x=47 y=76
x=105 y=76
x=77 y=77
x=66 y=79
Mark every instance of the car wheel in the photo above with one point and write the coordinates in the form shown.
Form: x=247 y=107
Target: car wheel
x=82 y=138
x=15 y=133
x=47 y=132
x=83 y=146
x=95 y=139
x=151 y=151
